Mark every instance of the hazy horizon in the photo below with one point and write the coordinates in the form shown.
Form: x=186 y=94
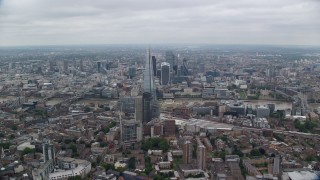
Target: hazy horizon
x=204 y=22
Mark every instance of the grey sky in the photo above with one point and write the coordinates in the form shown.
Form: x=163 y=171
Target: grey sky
x=37 y=22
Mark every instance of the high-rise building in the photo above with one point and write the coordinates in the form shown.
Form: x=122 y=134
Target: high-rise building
x=65 y=66
x=131 y=129
x=184 y=68
x=108 y=65
x=148 y=81
x=99 y=66
x=201 y=157
x=187 y=152
x=132 y=72
x=147 y=116
x=131 y=132
x=263 y=111
x=202 y=67
x=51 y=65
x=139 y=108
x=154 y=65
x=48 y=152
x=170 y=58
x=81 y=65
x=169 y=128
x=165 y=73
x=128 y=104
x=150 y=103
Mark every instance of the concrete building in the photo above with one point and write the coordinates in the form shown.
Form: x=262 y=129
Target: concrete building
x=65 y=66
x=127 y=103
x=238 y=108
x=70 y=167
x=221 y=93
x=207 y=93
x=169 y=128
x=24 y=145
x=48 y=152
x=201 y=157
x=131 y=132
x=154 y=65
x=132 y=72
x=263 y=111
x=98 y=66
x=187 y=152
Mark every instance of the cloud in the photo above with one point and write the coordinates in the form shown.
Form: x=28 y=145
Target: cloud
x=167 y=21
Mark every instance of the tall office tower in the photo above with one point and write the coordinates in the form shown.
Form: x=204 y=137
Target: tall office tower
x=184 y=67
x=148 y=81
x=48 y=152
x=51 y=65
x=81 y=65
x=139 y=116
x=187 y=152
x=201 y=157
x=99 y=66
x=170 y=58
x=165 y=73
x=176 y=66
x=150 y=96
x=147 y=116
x=139 y=108
x=154 y=65
x=132 y=72
x=108 y=65
x=129 y=130
x=65 y=66
x=202 y=67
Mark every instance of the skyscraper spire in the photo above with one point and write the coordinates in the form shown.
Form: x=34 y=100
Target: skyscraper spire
x=150 y=104
x=148 y=84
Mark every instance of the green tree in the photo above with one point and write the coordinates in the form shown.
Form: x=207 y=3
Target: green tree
x=155 y=143
x=67 y=141
x=87 y=109
x=222 y=154
x=108 y=166
x=132 y=163
x=14 y=127
x=255 y=152
x=88 y=145
x=224 y=138
x=262 y=151
x=74 y=149
x=148 y=165
x=164 y=146
x=102 y=144
x=75 y=178
x=27 y=151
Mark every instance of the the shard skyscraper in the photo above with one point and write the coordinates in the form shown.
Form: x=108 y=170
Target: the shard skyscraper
x=148 y=81
x=150 y=103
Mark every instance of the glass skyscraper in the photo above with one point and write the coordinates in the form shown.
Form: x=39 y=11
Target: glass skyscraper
x=148 y=81
x=150 y=104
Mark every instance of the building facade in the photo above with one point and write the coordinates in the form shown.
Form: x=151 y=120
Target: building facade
x=165 y=73
x=187 y=152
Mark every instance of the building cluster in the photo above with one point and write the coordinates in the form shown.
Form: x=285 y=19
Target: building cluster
x=174 y=113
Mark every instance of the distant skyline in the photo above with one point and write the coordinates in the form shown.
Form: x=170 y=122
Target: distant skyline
x=58 y=22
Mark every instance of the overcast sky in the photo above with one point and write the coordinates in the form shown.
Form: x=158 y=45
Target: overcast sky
x=54 y=22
